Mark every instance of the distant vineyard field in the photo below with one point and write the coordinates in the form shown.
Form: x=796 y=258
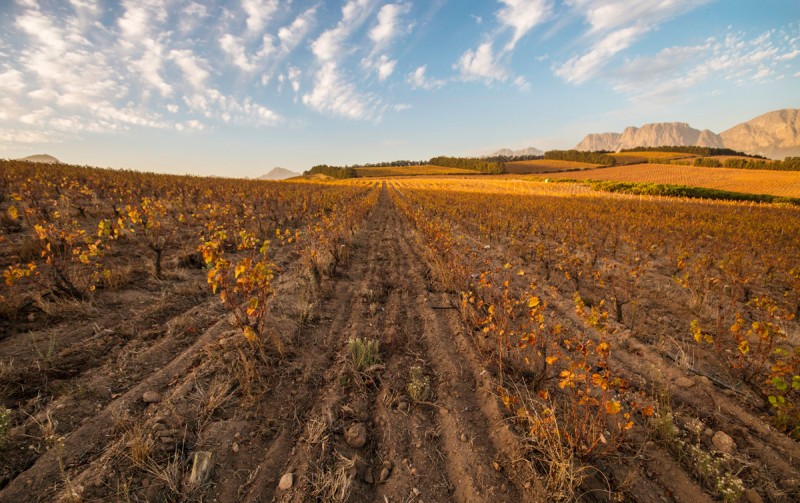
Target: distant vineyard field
x=777 y=183
x=412 y=171
x=644 y=156
x=545 y=166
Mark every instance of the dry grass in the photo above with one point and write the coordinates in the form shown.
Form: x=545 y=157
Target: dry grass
x=776 y=183
x=333 y=483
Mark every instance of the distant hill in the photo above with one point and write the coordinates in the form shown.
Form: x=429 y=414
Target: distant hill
x=599 y=141
x=775 y=134
x=44 y=158
x=658 y=134
x=507 y=152
x=278 y=174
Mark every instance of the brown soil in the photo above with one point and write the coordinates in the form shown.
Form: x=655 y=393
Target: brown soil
x=85 y=434
x=87 y=416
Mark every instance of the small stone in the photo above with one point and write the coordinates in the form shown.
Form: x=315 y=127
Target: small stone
x=723 y=442
x=527 y=485
x=287 y=481
x=708 y=432
x=413 y=472
x=235 y=448
x=402 y=406
x=368 y=477
x=237 y=435
x=684 y=382
x=415 y=491
x=789 y=484
x=750 y=496
x=151 y=397
x=464 y=437
x=356 y=435
x=384 y=475
x=418 y=445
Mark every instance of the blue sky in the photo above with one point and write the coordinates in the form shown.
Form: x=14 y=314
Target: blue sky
x=234 y=88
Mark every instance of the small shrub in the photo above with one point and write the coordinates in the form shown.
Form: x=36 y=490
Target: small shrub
x=364 y=353
x=419 y=385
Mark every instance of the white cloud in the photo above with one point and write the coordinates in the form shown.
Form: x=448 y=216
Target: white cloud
x=259 y=12
x=332 y=94
x=480 y=64
x=71 y=71
x=579 y=69
x=522 y=84
x=614 y=27
x=389 y=24
x=329 y=45
x=234 y=47
x=291 y=35
x=418 y=80
x=674 y=71
x=11 y=81
x=522 y=16
x=192 y=67
x=518 y=16
x=382 y=65
x=609 y=15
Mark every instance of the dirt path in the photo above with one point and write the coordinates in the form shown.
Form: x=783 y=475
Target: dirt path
x=451 y=448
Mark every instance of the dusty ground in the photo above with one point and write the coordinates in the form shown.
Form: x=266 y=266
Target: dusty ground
x=85 y=433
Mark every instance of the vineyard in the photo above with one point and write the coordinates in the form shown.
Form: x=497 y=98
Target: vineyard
x=169 y=338
x=776 y=183
x=545 y=166
x=411 y=171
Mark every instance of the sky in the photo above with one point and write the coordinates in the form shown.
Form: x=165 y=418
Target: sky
x=234 y=88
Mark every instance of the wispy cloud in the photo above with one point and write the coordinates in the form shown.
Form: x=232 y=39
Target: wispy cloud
x=488 y=64
x=332 y=93
x=418 y=80
x=733 y=57
x=614 y=26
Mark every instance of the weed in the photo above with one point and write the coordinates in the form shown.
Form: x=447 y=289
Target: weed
x=419 y=385
x=364 y=353
x=5 y=423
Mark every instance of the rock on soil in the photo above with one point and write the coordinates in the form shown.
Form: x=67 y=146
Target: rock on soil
x=286 y=481
x=356 y=435
x=723 y=442
x=151 y=397
x=684 y=382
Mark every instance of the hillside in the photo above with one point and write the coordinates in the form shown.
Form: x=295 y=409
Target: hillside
x=44 y=158
x=775 y=134
x=278 y=174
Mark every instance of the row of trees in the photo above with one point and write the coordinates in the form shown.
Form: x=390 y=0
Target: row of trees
x=471 y=163
x=580 y=156
x=695 y=150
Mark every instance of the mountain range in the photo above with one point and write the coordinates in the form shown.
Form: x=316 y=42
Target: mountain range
x=774 y=134
x=507 y=152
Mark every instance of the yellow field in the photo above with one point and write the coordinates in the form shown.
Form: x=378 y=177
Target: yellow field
x=777 y=183
x=413 y=171
x=545 y=166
